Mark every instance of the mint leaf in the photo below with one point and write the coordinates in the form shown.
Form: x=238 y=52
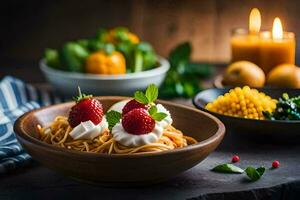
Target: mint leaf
x=152 y=110
x=255 y=174
x=228 y=168
x=113 y=117
x=140 y=97
x=152 y=93
x=159 y=116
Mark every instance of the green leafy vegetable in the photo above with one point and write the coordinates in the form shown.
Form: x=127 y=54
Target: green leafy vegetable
x=199 y=70
x=109 y=48
x=286 y=109
x=127 y=49
x=255 y=174
x=181 y=54
x=73 y=57
x=52 y=58
x=228 y=168
x=121 y=34
x=144 y=57
x=183 y=77
x=101 y=35
x=113 y=117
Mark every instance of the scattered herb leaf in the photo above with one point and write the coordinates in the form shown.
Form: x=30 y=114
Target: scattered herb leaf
x=228 y=168
x=255 y=174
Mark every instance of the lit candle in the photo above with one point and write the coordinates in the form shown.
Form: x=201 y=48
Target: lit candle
x=245 y=44
x=277 y=47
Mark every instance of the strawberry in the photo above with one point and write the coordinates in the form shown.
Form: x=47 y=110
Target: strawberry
x=85 y=109
x=138 y=122
x=132 y=104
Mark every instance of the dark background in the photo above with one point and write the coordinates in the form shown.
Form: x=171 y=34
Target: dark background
x=27 y=27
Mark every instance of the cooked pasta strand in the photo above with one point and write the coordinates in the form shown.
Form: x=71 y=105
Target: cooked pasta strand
x=58 y=134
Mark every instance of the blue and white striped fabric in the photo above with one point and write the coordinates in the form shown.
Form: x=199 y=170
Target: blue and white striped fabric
x=16 y=98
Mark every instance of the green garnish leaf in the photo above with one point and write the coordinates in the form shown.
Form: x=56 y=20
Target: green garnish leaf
x=255 y=174
x=152 y=110
x=159 y=116
x=113 y=117
x=149 y=97
x=140 y=97
x=261 y=170
x=228 y=168
x=152 y=93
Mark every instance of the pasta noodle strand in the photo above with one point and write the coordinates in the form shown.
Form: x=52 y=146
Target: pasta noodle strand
x=58 y=134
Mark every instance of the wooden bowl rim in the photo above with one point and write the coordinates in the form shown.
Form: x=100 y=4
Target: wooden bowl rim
x=20 y=132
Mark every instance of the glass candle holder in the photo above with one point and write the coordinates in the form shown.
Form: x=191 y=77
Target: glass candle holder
x=244 y=46
x=274 y=51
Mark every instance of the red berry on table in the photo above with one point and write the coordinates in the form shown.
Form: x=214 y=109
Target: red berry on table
x=235 y=158
x=85 y=109
x=132 y=104
x=275 y=164
x=138 y=122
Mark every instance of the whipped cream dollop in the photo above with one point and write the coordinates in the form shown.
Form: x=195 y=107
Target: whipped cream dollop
x=119 y=105
x=88 y=130
x=167 y=120
x=131 y=140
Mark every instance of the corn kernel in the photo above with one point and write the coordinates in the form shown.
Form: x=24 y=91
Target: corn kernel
x=243 y=102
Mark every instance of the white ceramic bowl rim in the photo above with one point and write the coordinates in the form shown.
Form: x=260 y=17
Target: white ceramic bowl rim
x=162 y=68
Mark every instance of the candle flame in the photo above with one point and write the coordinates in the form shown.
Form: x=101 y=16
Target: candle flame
x=254 y=21
x=277 y=31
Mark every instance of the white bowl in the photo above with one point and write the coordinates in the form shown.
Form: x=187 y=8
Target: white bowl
x=66 y=83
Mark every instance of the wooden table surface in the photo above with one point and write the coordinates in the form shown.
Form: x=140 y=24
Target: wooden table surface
x=37 y=182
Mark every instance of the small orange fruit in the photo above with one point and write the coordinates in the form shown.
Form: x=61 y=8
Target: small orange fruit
x=103 y=63
x=284 y=75
x=243 y=73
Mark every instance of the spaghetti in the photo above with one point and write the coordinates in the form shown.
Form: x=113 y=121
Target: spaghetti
x=58 y=134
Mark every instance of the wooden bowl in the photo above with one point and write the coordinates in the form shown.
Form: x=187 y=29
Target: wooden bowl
x=122 y=170
x=271 y=129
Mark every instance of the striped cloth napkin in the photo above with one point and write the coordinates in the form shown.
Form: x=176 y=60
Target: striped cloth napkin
x=16 y=98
